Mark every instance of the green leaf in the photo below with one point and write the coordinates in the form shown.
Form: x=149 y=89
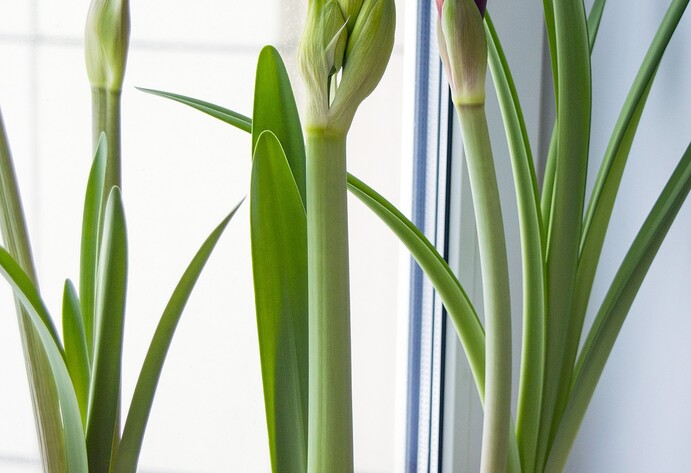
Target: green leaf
x=91 y=227
x=44 y=395
x=594 y=19
x=532 y=247
x=104 y=398
x=232 y=118
x=453 y=296
x=69 y=450
x=612 y=168
x=145 y=390
x=279 y=264
x=275 y=110
x=76 y=353
x=613 y=311
x=574 y=97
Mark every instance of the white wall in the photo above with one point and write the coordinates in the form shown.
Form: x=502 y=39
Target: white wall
x=182 y=173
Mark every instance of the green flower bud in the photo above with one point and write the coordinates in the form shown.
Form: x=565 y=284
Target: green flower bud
x=107 y=40
x=332 y=101
x=321 y=54
x=350 y=9
x=463 y=50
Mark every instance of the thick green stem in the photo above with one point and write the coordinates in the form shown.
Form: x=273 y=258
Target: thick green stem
x=330 y=424
x=495 y=283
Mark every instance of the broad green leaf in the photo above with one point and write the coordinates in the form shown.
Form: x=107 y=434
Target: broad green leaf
x=104 y=395
x=437 y=270
x=145 y=390
x=69 y=449
x=232 y=118
x=76 y=354
x=613 y=311
x=532 y=248
x=279 y=265
x=275 y=110
x=91 y=227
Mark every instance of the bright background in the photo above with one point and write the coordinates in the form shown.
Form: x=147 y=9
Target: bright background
x=182 y=172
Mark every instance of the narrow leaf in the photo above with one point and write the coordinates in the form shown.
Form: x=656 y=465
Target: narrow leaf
x=594 y=19
x=574 y=97
x=232 y=118
x=437 y=270
x=530 y=386
x=44 y=395
x=76 y=354
x=615 y=308
x=104 y=398
x=612 y=168
x=68 y=432
x=279 y=265
x=147 y=383
x=91 y=226
x=275 y=110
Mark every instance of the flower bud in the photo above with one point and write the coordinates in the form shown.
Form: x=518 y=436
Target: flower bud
x=463 y=48
x=332 y=101
x=106 y=43
x=351 y=9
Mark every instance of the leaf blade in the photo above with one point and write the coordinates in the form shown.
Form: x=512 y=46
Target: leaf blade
x=104 y=394
x=91 y=234
x=275 y=110
x=279 y=265
x=230 y=117
x=613 y=311
x=444 y=281
x=70 y=440
x=145 y=390
x=76 y=351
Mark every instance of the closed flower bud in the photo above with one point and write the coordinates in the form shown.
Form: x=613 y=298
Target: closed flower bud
x=463 y=48
x=332 y=102
x=350 y=9
x=107 y=42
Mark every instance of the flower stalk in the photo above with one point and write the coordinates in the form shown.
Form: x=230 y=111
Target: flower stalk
x=343 y=53
x=463 y=49
x=106 y=46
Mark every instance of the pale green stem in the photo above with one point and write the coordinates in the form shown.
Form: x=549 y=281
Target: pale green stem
x=105 y=113
x=330 y=424
x=495 y=284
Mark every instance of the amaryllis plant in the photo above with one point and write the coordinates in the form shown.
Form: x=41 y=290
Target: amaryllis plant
x=75 y=373
x=299 y=230
x=300 y=245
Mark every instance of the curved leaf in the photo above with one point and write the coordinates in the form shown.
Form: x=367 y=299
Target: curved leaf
x=279 y=266
x=104 y=395
x=275 y=110
x=70 y=441
x=615 y=308
x=145 y=390
x=76 y=352
x=232 y=118
x=532 y=250
x=437 y=270
x=91 y=227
